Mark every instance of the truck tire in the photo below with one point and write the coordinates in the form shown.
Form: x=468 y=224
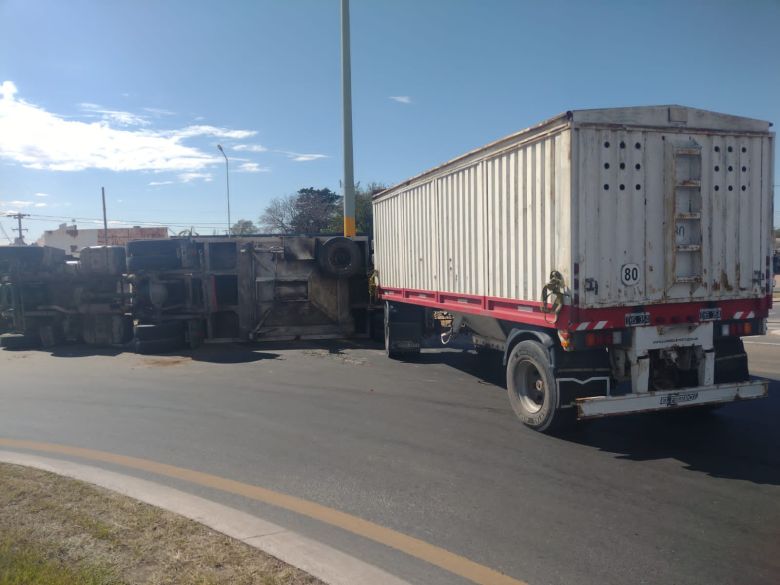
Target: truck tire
x=532 y=390
x=340 y=257
x=157 y=331
x=156 y=346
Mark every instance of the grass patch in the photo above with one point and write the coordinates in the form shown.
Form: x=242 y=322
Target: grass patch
x=25 y=564
x=59 y=531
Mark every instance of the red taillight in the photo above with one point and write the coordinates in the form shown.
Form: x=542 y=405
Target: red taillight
x=594 y=339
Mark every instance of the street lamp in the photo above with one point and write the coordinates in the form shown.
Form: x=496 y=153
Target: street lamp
x=227 y=184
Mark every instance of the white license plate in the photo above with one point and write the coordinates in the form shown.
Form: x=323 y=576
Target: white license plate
x=709 y=314
x=637 y=319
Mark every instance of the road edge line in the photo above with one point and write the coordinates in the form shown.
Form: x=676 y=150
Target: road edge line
x=319 y=560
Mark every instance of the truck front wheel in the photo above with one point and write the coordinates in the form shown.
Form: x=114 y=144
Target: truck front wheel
x=531 y=385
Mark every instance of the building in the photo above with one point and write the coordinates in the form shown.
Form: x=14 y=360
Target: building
x=72 y=239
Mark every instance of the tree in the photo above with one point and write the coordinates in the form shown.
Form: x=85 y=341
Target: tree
x=278 y=217
x=309 y=211
x=243 y=227
x=315 y=210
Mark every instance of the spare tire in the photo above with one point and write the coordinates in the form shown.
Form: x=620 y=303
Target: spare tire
x=340 y=257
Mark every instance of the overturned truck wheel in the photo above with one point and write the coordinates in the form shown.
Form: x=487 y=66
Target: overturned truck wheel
x=340 y=257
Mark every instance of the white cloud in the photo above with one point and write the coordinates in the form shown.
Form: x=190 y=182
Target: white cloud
x=159 y=112
x=251 y=167
x=41 y=205
x=204 y=130
x=38 y=139
x=189 y=177
x=116 y=116
x=300 y=157
x=401 y=99
x=158 y=183
x=18 y=204
x=41 y=194
x=250 y=147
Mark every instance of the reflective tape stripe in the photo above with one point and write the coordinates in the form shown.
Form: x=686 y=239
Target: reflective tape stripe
x=600 y=325
x=582 y=326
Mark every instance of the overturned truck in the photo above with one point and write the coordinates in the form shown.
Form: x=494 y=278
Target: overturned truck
x=165 y=294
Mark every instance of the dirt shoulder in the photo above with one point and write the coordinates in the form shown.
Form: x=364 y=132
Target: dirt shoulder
x=74 y=532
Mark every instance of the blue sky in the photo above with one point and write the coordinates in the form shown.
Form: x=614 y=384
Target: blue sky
x=135 y=95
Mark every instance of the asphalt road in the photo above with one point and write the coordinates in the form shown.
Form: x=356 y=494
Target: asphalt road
x=432 y=449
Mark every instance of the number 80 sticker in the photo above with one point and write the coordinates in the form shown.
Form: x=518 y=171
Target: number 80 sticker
x=629 y=274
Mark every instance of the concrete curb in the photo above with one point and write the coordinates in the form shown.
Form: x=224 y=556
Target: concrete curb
x=327 y=564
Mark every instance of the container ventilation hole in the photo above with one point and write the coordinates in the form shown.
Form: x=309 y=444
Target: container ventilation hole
x=730 y=149
x=622 y=187
x=744 y=169
x=622 y=165
x=717 y=168
x=731 y=168
x=637 y=166
x=638 y=187
x=622 y=144
x=744 y=149
x=637 y=146
x=606 y=165
x=717 y=149
x=606 y=187
x=731 y=188
x=606 y=144
x=717 y=187
x=744 y=188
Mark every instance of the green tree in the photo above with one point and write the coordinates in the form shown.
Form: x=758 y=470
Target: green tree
x=243 y=227
x=309 y=211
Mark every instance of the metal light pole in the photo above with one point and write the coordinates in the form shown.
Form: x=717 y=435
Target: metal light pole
x=346 y=93
x=227 y=184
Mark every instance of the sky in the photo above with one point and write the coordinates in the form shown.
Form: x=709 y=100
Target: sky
x=134 y=96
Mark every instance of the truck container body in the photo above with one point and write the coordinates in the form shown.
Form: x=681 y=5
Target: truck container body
x=651 y=218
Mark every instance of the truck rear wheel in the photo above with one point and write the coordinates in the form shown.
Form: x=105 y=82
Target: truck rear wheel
x=531 y=385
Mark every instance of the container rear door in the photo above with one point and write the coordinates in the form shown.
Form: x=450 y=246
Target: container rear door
x=671 y=216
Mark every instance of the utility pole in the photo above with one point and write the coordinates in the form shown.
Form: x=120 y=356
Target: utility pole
x=105 y=219
x=227 y=184
x=19 y=216
x=346 y=95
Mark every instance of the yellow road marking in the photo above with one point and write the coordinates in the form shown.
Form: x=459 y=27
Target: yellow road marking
x=408 y=544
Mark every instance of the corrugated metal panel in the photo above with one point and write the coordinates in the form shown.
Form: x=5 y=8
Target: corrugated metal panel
x=492 y=228
x=706 y=239
x=643 y=192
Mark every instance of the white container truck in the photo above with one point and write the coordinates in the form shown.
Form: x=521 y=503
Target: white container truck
x=616 y=257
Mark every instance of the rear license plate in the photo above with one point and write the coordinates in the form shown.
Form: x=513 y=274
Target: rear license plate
x=678 y=398
x=637 y=319
x=709 y=314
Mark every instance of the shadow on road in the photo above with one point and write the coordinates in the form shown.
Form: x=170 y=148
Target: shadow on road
x=738 y=441
x=216 y=354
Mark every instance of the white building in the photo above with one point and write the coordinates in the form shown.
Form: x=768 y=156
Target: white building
x=72 y=239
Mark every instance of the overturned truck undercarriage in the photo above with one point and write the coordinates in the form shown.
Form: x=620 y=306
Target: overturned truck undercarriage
x=161 y=295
